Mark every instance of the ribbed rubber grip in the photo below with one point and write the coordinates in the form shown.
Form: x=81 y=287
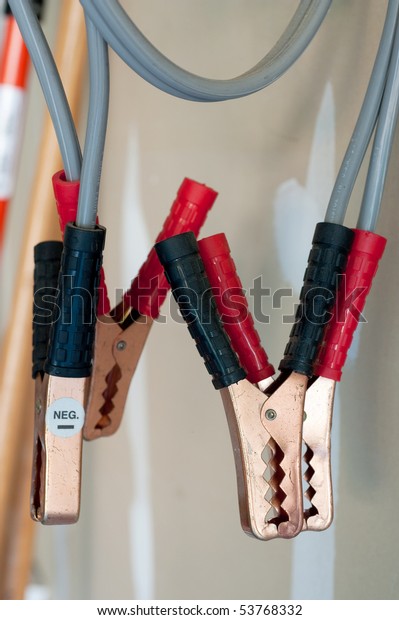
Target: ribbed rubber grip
x=327 y=260
x=367 y=250
x=233 y=307
x=72 y=335
x=66 y=195
x=188 y=213
x=185 y=272
x=47 y=257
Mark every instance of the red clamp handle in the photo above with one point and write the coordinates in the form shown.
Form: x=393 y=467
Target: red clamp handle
x=66 y=197
x=365 y=254
x=188 y=213
x=233 y=307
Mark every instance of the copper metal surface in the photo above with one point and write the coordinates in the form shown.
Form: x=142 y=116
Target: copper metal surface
x=117 y=353
x=55 y=494
x=317 y=439
x=266 y=434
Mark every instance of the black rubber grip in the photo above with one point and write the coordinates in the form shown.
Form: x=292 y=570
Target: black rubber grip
x=327 y=260
x=190 y=286
x=72 y=333
x=47 y=257
x=37 y=5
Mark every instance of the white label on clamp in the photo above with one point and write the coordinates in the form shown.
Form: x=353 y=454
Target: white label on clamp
x=65 y=417
x=12 y=100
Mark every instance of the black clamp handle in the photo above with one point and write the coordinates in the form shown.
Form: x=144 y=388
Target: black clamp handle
x=47 y=258
x=190 y=286
x=327 y=260
x=72 y=333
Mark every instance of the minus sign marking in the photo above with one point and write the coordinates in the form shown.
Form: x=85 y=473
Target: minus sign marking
x=65 y=426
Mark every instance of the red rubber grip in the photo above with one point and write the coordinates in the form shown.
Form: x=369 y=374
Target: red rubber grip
x=367 y=250
x=233 y=307
x=66 y=197
x=188 y=213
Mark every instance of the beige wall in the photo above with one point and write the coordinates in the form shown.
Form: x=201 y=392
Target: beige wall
x=159 y=509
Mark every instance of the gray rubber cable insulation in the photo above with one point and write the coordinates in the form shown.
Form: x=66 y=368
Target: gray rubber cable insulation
x=134 y=48
x=382 y=144
x=96 y=128
x=66 y=132
x=299 y=32
x=89 y=171
x=365 y=124
x=52 y=87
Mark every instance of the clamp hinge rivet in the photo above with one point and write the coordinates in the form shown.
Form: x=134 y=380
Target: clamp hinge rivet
x=271 y=414
x=121 y=345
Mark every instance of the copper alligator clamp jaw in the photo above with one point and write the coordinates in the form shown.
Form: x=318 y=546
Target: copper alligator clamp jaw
x=355 y=284
x=265 y=427
x=238 y=323
x=62 y=370
x=121 y=335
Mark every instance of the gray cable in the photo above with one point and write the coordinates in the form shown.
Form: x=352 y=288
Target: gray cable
x=111 y=20
x=131 y=45
x=117 y=29
x=51 y=85
x=103 y=27
x=132 y=60
x=96 y=127
x=365 y=124
x=382 y=144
